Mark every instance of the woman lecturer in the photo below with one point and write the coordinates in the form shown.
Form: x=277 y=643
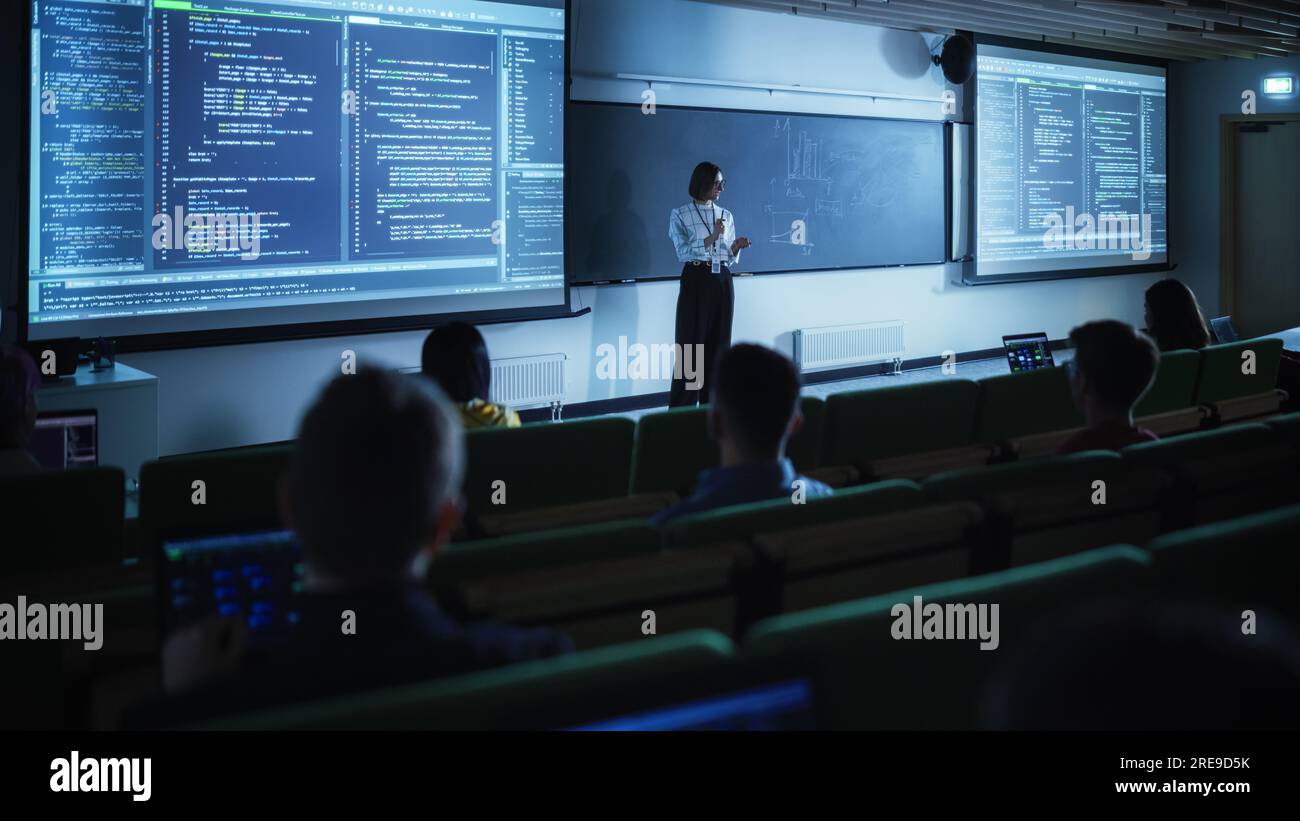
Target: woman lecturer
x=704 y=235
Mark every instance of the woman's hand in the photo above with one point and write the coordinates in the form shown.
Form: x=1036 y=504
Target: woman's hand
x=740 y=244
x=718 y=230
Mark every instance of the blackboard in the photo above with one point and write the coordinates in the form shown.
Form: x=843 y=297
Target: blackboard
x=866 y=192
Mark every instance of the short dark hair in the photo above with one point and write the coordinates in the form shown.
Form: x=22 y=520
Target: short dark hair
x=1118 y=361
x=377 y=455
x=19 y=379
x=702 y=179
x=756 y=389
x=1176 y=318
x=456 y=357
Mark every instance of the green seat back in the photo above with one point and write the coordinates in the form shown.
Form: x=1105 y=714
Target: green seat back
x=1221 y=370
x=1287 y=427
x=1177 y=450
x=241 y=487
x=867 y=679
x=977 y=483
x=1249 y=562
x=1022 y=404
x=744 y=521
x=672 y=447
x=549 y=694
x=548 y=463
x=523 y=552
x=1174 y=386
x=877 y=424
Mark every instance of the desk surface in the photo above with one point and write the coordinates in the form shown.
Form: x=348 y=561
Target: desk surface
x=86 y=377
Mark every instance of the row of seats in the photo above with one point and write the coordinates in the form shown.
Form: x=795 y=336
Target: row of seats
x=584 y=471
x=863 y=678
x=599 y=469
x=1199 y=477
x=729 y=567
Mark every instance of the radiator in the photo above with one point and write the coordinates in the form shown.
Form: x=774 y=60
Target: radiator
x=529 y=382
x=842 y=346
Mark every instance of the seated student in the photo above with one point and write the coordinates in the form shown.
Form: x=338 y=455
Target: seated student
x=372 y=492
x=754 y=411
x=18 y=381
x=1173 y=317
x=455 y=356
x=1113 y=366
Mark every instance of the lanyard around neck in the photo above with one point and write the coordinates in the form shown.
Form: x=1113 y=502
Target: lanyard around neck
x=700 y=214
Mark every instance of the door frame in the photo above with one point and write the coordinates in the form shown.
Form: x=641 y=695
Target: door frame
x=1228 y=200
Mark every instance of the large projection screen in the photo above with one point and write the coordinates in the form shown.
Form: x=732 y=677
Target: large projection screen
x=1070 y=165
x=244 y=169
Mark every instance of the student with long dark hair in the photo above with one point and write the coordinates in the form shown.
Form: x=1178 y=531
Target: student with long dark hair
x=704 y=235
x=456 y=357
x=1173 y=317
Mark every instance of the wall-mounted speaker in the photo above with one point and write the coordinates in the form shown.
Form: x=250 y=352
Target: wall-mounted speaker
x=956 y=58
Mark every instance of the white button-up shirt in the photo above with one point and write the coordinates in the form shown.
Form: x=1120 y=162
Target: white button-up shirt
x=689 y=226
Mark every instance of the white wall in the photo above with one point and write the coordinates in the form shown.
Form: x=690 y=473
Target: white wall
x=222 y=397
x=1201 y=94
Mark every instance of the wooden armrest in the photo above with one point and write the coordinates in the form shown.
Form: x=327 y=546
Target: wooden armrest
x=928 y=463
x=602 y=510
x=554 y=594
x=1174 y=422
x=1143 y=488
x=836 y=475
x=868 y=538
x=1041 y=444
x=1247 y=407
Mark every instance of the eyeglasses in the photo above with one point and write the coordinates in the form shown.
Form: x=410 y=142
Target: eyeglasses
x=720 y=184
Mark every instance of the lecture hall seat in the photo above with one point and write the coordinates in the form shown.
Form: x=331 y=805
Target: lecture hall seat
x=1223 y=473
x=555 y=693
x=907 y=432
x=1233 y=394
x=546 y=464
x=1252 y=562
x=867 y=680
x=1050 y=507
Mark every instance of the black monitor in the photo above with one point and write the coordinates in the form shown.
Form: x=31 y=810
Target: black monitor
x=66 y=439
x=1027 y=352
x=786 y=705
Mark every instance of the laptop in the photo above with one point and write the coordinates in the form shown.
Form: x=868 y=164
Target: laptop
x=1222 y=330
x=1027 y=352
x=255 y=574
x=66 y=439
x=785 y=705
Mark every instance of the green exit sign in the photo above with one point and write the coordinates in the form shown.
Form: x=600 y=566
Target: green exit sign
x=1279 y=85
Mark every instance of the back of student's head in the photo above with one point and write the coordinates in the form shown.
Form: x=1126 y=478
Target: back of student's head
x=18 y=382
x=456 y=357
x=378 y=458
x=756 y=391
x=1174 y=318
x=1117 y=361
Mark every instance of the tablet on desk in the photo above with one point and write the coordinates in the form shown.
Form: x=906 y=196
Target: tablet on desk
x=1027 y=352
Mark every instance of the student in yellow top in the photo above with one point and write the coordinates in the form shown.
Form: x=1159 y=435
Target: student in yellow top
x=455 y=356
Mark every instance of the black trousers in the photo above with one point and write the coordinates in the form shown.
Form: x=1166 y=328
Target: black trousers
x=705 y=305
